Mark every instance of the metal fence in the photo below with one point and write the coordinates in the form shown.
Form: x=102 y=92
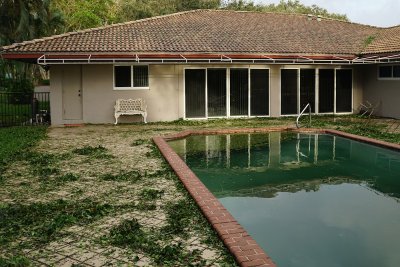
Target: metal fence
x=24 y=108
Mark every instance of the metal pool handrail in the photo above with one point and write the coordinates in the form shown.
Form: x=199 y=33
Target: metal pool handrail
x=301 y=113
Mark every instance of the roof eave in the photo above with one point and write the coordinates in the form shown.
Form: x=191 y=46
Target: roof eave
x=229 y=57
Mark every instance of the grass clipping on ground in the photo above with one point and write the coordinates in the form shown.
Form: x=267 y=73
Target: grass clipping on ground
x=101 y=195
x=101 y=191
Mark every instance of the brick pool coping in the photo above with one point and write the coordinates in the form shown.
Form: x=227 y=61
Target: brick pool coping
x=243 y=247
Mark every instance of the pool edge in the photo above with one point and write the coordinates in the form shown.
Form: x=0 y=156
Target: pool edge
x=244 y=248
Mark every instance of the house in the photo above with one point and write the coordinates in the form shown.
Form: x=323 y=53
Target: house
x=217 y=64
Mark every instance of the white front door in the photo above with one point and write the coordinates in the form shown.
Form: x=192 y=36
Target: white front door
x=72 y=92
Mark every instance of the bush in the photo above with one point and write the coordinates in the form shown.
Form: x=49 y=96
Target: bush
x=21 y=85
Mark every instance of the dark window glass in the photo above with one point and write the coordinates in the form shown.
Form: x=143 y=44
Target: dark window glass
x=288 y=92
x=195 y=93
x=307 y=88
x=216 y=92
x=396 y=71
x=326 y=90
x=344 y=85
x=239 y=79
x=140 y=76
x=385 y=71
x=259 y=92
x=122 y=76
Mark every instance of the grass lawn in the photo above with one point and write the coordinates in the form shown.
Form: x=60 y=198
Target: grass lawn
x=103 y=195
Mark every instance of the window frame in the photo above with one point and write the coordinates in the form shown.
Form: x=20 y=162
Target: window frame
x=228 y=88
x=132 y=87
x=317 y=89
x=392 y=77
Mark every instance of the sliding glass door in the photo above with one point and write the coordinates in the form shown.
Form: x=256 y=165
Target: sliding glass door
x=326 y=90
x=221 y=92
x=298 y=89
x=195 y=95
x=239 y=92
x=344 y=87
x=259 y=92
x=307 y=88
x=289 y=90
x=216 y=92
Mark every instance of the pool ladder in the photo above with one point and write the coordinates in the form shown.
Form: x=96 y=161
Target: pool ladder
x=301 y=113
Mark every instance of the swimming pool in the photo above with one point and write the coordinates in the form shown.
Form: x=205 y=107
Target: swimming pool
x=307 y=199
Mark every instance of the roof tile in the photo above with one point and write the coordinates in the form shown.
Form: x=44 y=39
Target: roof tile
x=221 y=31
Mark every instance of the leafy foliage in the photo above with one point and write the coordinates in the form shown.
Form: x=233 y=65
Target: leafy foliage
x=131 y=234
x=98 y=152
x=132 y=176
x=28 y=19
x=127 y=10
x=284 y=6
x=82 y=14
x=42 y=221
x=22 y=20
x=68 y=177
x=151 y=193
x=14 y=261
x=16 y=140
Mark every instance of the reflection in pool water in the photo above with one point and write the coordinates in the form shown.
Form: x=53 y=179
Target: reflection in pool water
x=307 y=199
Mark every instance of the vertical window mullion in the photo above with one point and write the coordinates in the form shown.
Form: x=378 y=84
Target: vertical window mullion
x=132 y=85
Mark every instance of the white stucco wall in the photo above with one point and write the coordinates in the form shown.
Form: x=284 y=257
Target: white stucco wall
x=165 y=98
x=385 y=93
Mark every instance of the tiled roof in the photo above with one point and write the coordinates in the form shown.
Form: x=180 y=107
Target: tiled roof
x=219 y=31
x=386 y=41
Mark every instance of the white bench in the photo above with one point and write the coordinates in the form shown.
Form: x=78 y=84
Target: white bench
x=130 y=107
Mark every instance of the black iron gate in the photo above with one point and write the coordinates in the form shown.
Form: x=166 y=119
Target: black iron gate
x=24 y=108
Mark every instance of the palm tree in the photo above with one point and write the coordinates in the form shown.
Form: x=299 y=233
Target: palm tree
x=22 y=20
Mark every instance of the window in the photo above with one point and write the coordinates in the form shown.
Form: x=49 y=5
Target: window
x=220 y=92
x=396 y=71
x=289 y=91
x=239 y=92
x=259 y=92
x=131 y=77
x=326 y=90
x=216 y=92
x=389 y=72
x=122 y=76
x=195 y=94
x=344 y=88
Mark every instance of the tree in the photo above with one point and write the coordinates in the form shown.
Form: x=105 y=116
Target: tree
x=22 y=20
x=27 y=19
x=183 y=5
x=138 y=9
x=284 y=6
x=83 y=14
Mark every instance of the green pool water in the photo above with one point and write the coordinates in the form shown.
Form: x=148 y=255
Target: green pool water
x=307 y=199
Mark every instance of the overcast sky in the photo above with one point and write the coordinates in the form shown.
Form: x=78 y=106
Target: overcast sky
x=383 y=13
